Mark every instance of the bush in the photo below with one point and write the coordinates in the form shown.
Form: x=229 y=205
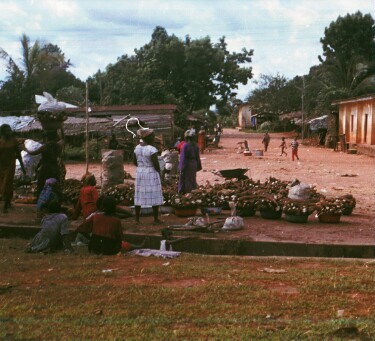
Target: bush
x=79 y=153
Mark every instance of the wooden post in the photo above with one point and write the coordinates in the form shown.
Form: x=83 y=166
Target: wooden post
x=87 y=129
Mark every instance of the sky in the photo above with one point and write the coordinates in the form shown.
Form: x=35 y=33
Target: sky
x=284 y=34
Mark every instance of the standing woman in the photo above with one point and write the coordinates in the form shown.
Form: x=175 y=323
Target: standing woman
x=50 y=163
x=9 y=152
x=190 y=164
x=148 y=191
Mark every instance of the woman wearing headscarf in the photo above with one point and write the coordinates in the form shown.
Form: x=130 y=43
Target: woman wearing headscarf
x=47 y=195
x=9 y=152
x=189 y=165
x=54 y=232
x=148 y=191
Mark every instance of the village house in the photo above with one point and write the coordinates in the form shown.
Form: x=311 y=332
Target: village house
x=357 y=123
x=246 y=117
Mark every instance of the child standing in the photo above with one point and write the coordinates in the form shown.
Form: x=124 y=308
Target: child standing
x=283 y=147
x=294 y=144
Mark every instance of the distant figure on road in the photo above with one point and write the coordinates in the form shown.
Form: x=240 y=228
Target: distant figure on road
x=283 y=147
x=202 y=140
x=294 y=144
x=266 y=141
x=113 y=144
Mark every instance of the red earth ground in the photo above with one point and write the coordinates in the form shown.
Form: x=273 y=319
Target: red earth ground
x=333 y=173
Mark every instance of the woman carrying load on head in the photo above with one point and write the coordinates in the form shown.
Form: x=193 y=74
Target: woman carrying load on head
x=9 y=153
x=148 y=190
x=50 y=163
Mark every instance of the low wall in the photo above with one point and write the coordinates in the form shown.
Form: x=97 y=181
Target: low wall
x=365 y=149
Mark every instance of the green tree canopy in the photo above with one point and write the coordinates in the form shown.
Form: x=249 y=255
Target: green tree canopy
x=194 y=74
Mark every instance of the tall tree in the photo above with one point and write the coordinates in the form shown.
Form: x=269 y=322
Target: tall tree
x=276 y=95
x=194 y=74
x=352 y=35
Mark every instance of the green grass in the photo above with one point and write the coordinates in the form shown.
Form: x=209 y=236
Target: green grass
x=194 y=297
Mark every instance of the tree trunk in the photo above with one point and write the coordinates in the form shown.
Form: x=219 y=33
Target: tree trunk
x=332 y=128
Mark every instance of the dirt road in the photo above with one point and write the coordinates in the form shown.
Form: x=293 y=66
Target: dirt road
x=333 y=173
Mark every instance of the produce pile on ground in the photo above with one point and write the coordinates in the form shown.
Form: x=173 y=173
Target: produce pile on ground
x=123 y=193
x=248 y=196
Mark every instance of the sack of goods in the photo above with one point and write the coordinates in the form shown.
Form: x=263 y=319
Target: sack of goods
x=301 y=192
x=30 y=161
x=51 y=104
x=233 y=223
x=113 y=169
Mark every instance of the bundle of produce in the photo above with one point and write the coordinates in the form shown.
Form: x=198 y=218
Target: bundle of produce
x=246 y=201
x=168 y=192
x=268 y=202
x=71 y=190
x=209 y=197
x=298 y=208
x=123 y=193
x=276 y=186
x=348 y=203
x=331 y=206
x=240 y=185
x=188 y=200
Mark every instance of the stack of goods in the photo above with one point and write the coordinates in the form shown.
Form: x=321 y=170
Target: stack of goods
x=51 y=113
x=123 y=193
x=298 y=211
x=71 y=190
x=348 y=202
x=329 y=210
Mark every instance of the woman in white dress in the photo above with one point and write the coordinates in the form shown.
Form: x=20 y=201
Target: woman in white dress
x=148 y=191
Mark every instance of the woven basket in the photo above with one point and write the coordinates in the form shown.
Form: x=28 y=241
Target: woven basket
x=329 y=218
x=211 y=210
x=246 y=212
x=296 y=218
x=271 y=214
x=348 y=210
x=185 y=212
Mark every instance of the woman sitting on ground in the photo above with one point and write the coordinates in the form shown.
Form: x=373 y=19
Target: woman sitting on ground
x=47 y=195
x=54 y=232
x=106 y=229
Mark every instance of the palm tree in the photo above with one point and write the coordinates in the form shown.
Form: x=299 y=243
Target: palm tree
x=340 y=79
x=37 y=68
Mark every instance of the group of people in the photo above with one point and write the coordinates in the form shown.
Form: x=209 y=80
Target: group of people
x=101 y=229
x=283 y=146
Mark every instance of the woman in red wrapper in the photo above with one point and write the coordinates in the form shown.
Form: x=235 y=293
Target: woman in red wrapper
x=88 y=197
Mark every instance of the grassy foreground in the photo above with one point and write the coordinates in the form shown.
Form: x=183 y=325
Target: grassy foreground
x=192 y=297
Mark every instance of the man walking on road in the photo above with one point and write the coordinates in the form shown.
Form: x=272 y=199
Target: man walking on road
x=266 y=141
